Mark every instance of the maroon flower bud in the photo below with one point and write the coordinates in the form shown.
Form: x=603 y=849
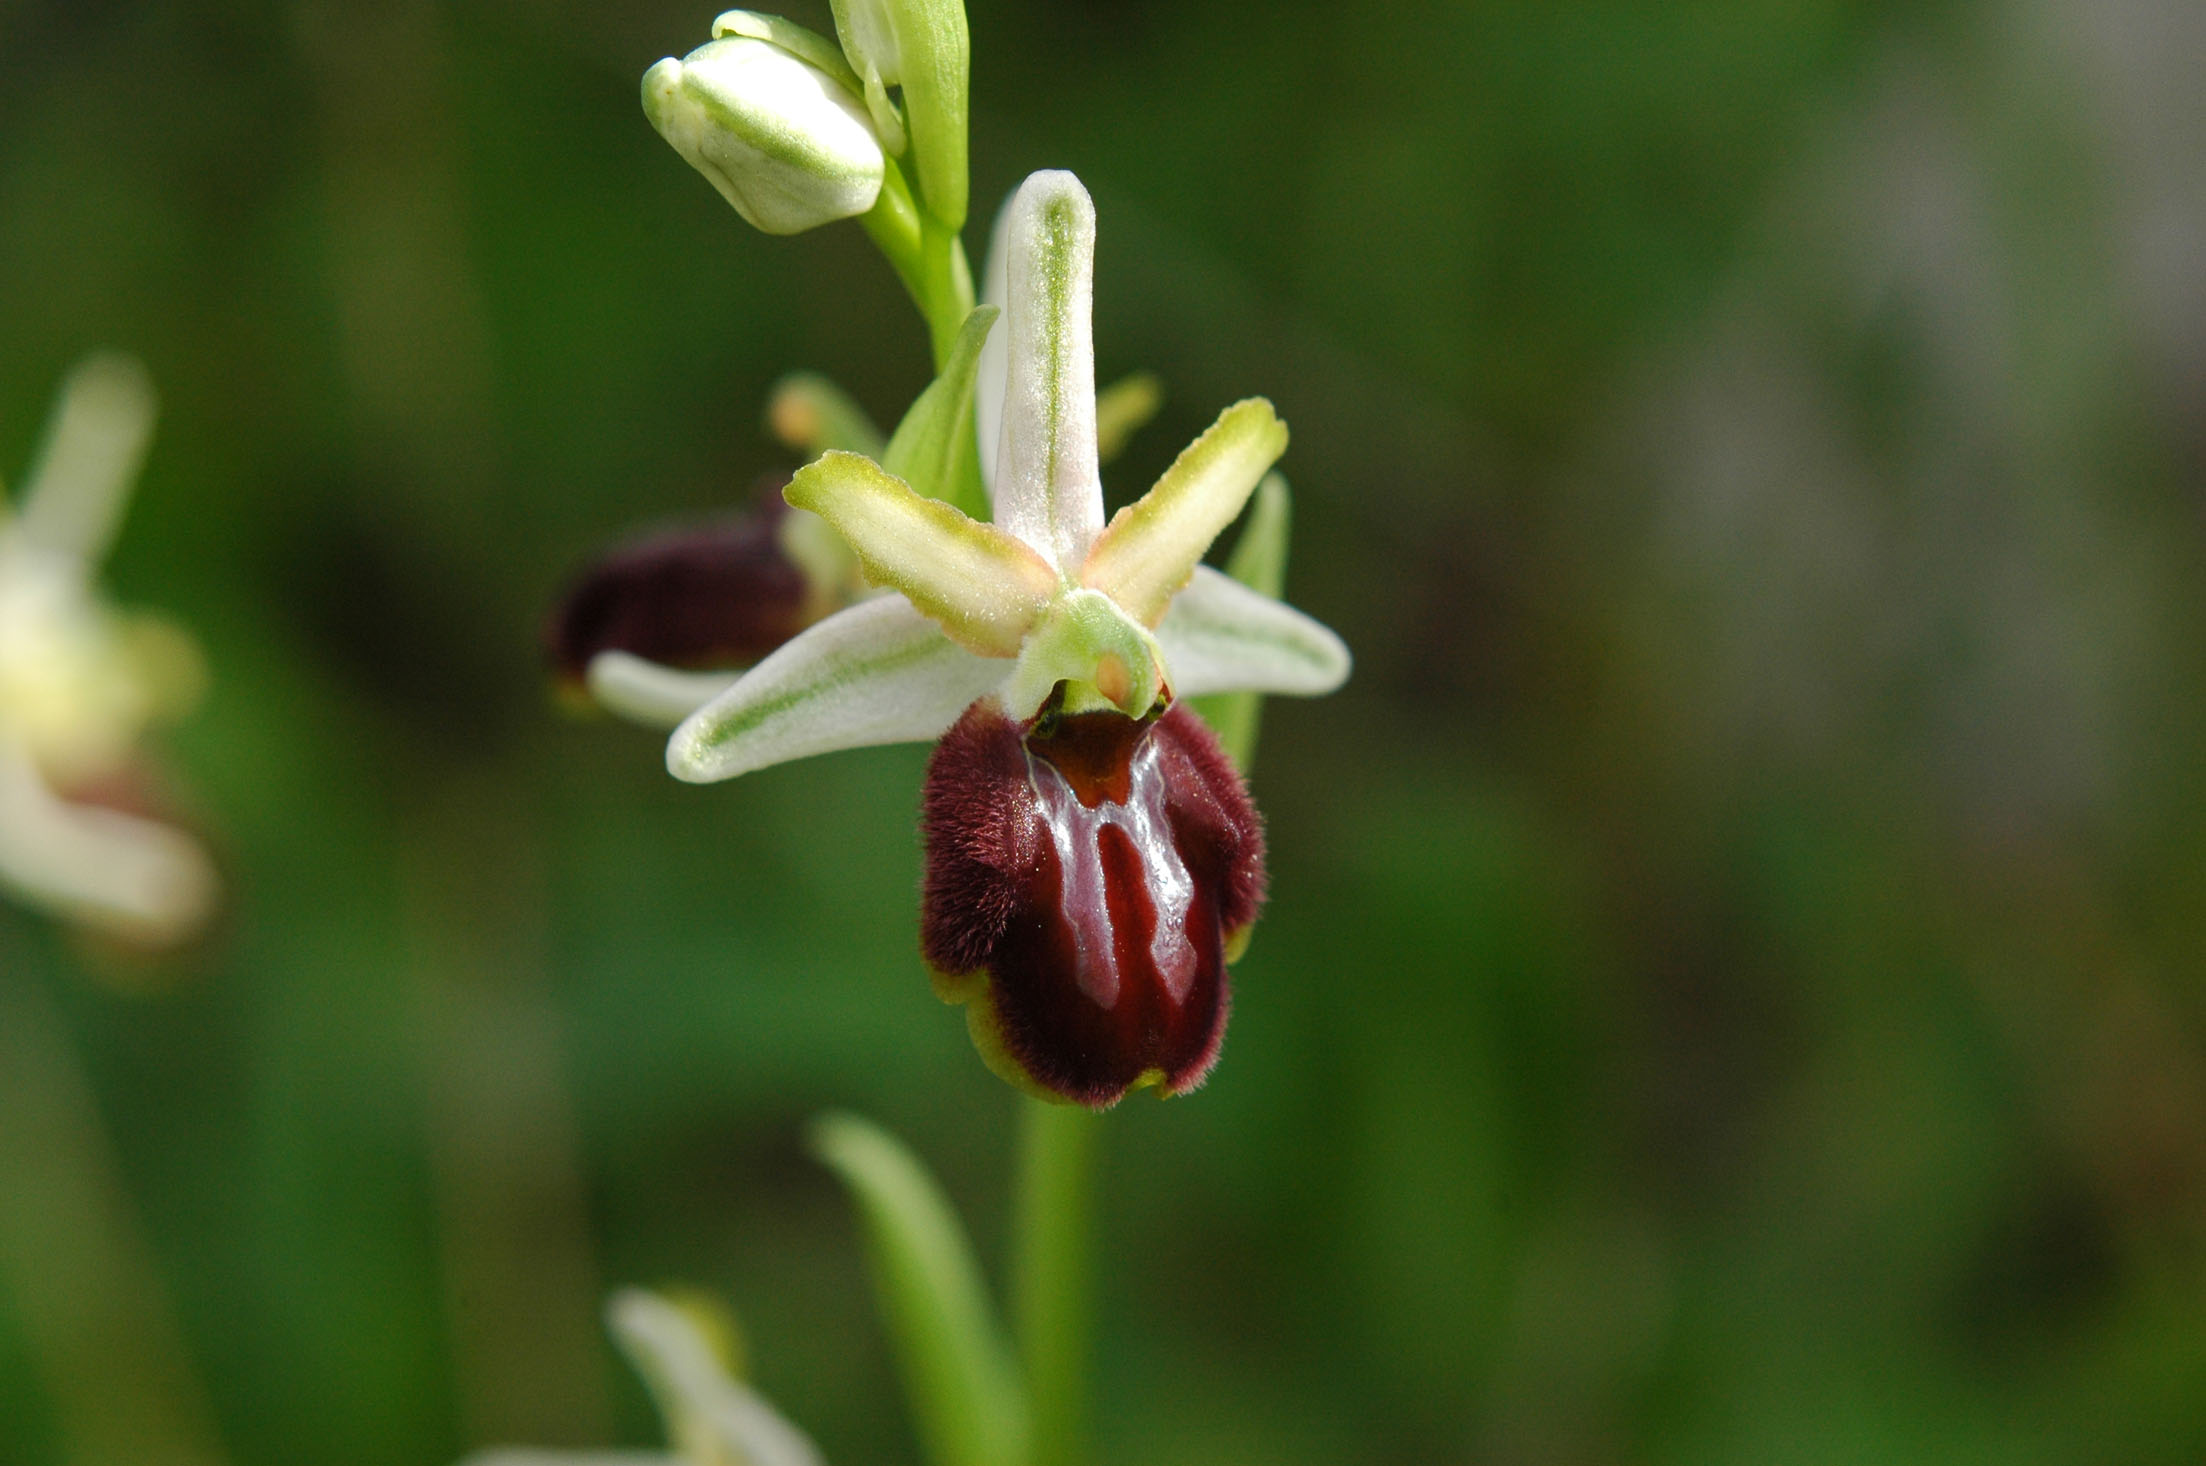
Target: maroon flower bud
x=716 y=595
x=1087 y=878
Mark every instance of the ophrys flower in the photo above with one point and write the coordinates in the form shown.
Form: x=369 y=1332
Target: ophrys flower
x=1092 y=857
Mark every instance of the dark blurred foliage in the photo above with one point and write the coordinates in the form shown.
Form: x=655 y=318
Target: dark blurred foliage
x=1732 y=989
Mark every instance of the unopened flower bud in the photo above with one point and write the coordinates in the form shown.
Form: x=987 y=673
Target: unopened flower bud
x=784 y=141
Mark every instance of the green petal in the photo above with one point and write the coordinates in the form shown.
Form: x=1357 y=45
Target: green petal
x=1259 y=561
x=1220 y=636
x=643 y=691
x=1259 y=558
x=95 y=442
x=879 y=672
x=1049 y=491
x=957 y=1371
x=933 y=447
x=1155 y=543
x=983 y=586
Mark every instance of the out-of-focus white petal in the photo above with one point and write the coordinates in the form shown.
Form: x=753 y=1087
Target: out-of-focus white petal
x=1220 y=636
x=1154 y=543
x=1049 y=490
x=878 y=672
x=521 y=1456
x=95 y=443
x=711 y=1416
x=984 y=586
x=136 y=878
x=646 y=692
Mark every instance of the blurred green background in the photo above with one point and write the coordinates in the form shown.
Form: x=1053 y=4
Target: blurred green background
x=1732 y=991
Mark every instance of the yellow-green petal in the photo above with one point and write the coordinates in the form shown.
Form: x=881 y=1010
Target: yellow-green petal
x=982 y=586
x=1152 y=545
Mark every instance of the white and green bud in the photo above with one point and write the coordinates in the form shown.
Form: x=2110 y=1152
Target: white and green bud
x=921 y=46
x=782 y=137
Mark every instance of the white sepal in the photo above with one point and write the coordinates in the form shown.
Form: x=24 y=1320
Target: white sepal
x=1220 y=636
x=647 y=692
x=878 y=672
x=1048 y=487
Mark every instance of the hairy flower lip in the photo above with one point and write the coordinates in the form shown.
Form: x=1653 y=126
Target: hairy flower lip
x=1086 y=877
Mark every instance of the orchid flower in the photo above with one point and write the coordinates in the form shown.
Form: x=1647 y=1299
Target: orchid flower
x=683 y=1351
x=80 y=682
x=1093 y=860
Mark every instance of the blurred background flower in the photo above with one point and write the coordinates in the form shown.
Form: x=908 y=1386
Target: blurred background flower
x=1732 y=988
x=82 y=681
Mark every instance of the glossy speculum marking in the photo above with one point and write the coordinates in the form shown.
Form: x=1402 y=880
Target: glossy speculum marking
x=1086 y=875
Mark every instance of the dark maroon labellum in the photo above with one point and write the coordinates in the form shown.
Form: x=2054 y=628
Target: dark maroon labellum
x=721 y=594
x=1083 y=883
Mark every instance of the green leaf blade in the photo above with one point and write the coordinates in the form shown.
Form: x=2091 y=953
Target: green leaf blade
x=965 y=1394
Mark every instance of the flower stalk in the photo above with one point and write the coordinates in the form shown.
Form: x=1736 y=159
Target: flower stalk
x=927 y=256
x=1053 y=1273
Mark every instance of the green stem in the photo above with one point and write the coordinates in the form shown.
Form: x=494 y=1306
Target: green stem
x=927 y=256
x=1053 y=1272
